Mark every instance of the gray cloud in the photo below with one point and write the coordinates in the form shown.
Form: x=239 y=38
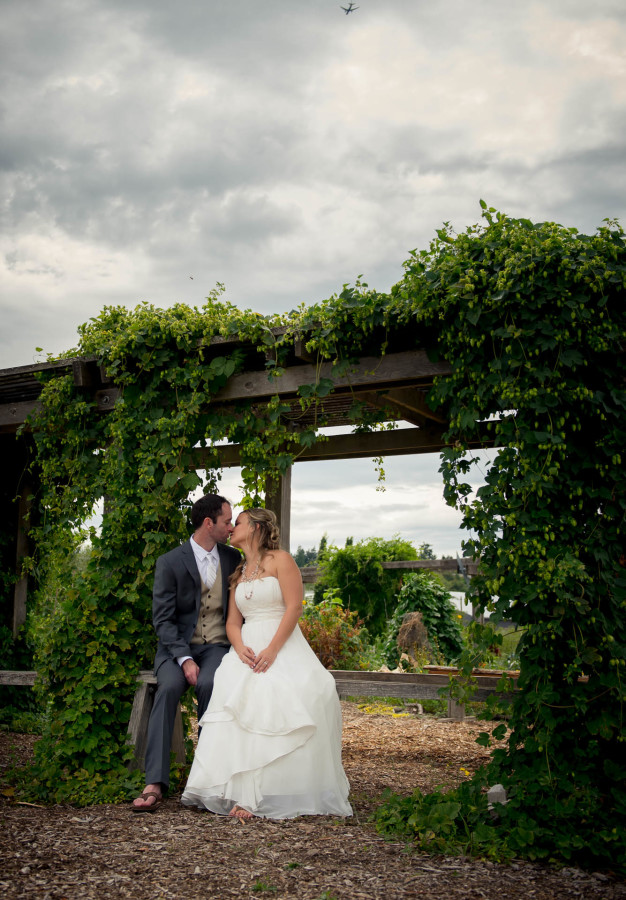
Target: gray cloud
x=284 y=149
x=341 y=500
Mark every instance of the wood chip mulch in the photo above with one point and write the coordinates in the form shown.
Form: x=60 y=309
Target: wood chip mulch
x=65 y=853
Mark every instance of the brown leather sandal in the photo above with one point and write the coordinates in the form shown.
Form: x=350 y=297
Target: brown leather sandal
x=148 y=809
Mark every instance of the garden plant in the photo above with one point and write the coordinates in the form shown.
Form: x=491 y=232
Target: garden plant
x=356 y=572
x=422 y=592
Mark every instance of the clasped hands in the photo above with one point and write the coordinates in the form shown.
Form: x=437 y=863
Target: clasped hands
x=259 y=662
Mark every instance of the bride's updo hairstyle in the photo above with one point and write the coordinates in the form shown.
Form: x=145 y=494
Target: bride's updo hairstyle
x=267 y=530
x=269 y=535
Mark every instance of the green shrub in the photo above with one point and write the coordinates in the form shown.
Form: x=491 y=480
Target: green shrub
x=21 y=721
x=450 y=823
x=356 y=572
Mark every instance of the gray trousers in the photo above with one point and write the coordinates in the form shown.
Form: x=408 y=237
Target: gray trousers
x=171 y=685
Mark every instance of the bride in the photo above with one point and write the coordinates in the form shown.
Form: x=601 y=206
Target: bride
x=270 y=740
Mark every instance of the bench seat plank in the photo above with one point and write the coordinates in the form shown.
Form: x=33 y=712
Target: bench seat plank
x=405 y=685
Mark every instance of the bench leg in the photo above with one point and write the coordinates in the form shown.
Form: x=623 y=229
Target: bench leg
x=138 y=727
x=178 y=738
x=456 y=710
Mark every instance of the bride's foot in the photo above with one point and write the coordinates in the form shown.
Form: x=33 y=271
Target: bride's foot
x=239 y=812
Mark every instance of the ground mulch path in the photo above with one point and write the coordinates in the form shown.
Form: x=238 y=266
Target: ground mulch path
x=107 y=852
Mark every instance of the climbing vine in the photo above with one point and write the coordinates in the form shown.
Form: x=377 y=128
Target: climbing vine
x=532 y=320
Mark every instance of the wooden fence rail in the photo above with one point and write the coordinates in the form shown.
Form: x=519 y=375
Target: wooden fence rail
x=467 y=567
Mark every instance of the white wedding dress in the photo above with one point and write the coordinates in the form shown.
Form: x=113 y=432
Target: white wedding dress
x=270 y=742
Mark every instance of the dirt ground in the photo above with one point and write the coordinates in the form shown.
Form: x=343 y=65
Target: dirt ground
x=64 y=853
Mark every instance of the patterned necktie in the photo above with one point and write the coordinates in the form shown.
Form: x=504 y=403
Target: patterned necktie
x=211 y=570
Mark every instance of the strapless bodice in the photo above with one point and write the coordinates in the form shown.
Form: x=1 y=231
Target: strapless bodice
x=260 y=599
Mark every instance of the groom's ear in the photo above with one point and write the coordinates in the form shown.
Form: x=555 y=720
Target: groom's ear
x=206 y=524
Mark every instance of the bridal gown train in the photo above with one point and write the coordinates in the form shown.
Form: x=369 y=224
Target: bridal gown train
x=270 y=742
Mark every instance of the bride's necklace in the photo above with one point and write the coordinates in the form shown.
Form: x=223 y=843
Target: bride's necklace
x=248 y=593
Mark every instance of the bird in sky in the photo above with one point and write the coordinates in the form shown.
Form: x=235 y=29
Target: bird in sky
x=349 y=8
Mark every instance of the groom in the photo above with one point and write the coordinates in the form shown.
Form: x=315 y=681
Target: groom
x=189 y=607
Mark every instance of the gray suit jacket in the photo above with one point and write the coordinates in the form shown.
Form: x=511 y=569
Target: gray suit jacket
x=176 y=598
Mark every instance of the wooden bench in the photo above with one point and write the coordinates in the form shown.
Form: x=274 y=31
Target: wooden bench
x=408 y=686
x=426 y=686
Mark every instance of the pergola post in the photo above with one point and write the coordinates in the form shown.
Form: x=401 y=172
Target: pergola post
x=19 y=484
x=21 y=550
x=278 y=499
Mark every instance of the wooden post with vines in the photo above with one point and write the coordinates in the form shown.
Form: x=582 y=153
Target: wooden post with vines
x=278 y=499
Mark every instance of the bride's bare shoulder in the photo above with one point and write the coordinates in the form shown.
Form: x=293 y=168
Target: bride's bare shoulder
x=278 y=560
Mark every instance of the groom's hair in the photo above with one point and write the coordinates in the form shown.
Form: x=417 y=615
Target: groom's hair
x=207 y=507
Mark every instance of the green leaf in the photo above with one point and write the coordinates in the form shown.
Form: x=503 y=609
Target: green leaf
x=170 y=479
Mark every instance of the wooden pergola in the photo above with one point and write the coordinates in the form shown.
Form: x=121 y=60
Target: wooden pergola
x=398 y=381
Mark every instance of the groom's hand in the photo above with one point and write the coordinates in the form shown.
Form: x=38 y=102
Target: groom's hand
x=190 y=671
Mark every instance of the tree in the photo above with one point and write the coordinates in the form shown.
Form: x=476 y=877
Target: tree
x=355 y=571
x=425 y=551
x=305 y=557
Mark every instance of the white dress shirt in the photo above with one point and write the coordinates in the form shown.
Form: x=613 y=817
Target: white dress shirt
x=207 y=562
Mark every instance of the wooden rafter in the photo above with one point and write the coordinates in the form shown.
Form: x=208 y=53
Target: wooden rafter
x=406 y=370
x=408 y=403
x=363 y=445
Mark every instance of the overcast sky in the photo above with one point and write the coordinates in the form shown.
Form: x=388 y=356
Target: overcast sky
x=152 y=148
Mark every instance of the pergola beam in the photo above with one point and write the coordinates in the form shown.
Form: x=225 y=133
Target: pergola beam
x=399 y=442
x=393 y=369
x=408 y=403
x=12 y=415
x=393 y=372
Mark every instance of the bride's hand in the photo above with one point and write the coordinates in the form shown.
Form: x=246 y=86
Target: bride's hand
x=246 y=655
x=264 y=660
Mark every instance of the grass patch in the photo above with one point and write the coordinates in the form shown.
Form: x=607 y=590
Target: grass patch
x=22 y=721
x=399 y=706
